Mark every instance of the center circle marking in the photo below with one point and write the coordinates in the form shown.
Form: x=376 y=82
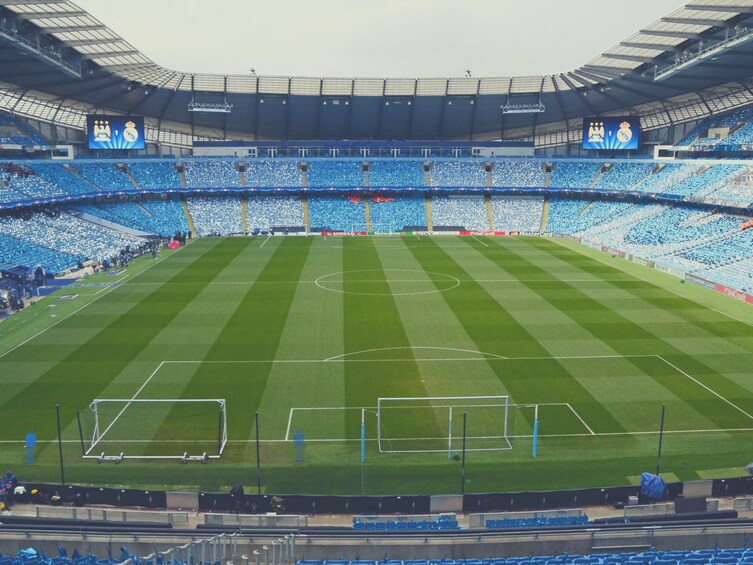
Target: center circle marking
x=325 y=281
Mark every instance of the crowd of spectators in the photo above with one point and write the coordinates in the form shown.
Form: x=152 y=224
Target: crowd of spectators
x=517 y=213
x=468 y=212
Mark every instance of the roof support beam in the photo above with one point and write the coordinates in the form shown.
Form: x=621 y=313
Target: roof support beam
x=49 y=15
x=610 y=72
x=85 y=42
x=694 y=21
x=28 y=2
x=716 y=8
x=107 y=55
x=679 y=34
x=656 y=46
x=73 y=29
x=635 y=58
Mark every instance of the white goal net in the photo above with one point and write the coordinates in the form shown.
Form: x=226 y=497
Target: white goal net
x=187 y=429
x=435 y=424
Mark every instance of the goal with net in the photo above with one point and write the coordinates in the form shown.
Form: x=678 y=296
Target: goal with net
x=435 y=424
x=186 y=429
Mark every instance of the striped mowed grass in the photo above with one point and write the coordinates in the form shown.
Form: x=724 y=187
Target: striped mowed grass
x=309 y=333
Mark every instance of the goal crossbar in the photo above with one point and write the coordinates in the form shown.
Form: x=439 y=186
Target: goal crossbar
x=440 y=427
x=100 y=430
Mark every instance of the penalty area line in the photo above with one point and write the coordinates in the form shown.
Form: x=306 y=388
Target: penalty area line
x=712 y=391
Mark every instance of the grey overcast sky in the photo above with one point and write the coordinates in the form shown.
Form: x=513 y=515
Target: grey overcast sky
x=375 y=38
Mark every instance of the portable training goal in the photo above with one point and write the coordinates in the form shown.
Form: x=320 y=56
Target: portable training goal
x=115 y=429
x=435 y=424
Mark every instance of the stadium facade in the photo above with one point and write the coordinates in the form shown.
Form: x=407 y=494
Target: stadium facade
x=58 y=64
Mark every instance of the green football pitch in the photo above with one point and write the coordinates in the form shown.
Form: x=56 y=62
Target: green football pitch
x=316 y=335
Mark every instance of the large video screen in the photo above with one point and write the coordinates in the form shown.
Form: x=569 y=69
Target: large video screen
x=620 y=133
x=115 y=132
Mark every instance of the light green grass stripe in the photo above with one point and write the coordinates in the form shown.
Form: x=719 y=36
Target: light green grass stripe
x=87 y=369
x=251 y=333
x=314 y=330
x=373 y=325
x=628 y=338
x=454 y=368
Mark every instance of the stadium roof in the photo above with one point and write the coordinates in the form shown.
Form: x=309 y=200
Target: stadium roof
x=55 y=50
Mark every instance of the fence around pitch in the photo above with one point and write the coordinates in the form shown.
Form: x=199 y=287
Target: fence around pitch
x=112 y=515
x=257 y=520
x=479 y=520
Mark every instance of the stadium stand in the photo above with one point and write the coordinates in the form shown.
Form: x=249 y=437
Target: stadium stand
x=577 y=216
x=104 y=175
x=542 y=522
x=211 y=174
x=327 y=173
x=666 y=177
x=137 y=216
x=154 y=175
x=17 y=251
x=337 y=214
x=517 y=214
x=273 y=173
x=405 y=523
x=216 y=215
x=622 y=176
x=57 y=175
x=392 y=214
x=707 y=180
x=168 y=216
x=14 y=131
x=396 y=173
x=65 y=234
x=518 y=173
x=574 y=174
x=26 y=182
x=466 y=211
x=459 y=173
x=739 y=556
x=265 y=212
x=740 y=130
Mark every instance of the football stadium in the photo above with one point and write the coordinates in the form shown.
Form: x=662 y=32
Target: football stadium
x=472 y=320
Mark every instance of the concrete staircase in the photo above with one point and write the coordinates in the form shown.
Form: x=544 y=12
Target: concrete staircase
x=244 y=211
x=305 y=206
x=489 y=209
x=367 y=213
x=187 y=212
x=544 y=212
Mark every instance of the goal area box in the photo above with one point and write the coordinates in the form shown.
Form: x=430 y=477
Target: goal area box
x=114 y=429
x=435 y=424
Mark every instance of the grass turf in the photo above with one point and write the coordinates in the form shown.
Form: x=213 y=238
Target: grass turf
x=309 y=331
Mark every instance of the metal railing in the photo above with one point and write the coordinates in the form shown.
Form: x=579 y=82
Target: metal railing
x=112 y=515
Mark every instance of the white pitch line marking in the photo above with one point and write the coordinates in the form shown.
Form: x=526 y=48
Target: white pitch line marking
x=117 y=417
x=340 y=358
x=481 y=242
x=582 y=421
x=265 y=241
x=637 y=277
x=344 y=355
x=521 y=436
x=699 y=383
x=98 y=296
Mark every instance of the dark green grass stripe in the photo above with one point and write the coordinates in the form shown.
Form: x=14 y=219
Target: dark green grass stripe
x=708 y=320
x=373 y=322
x=495 y=330
x=89 y=368
x=252 y=333
x=627 y=338
x=715 y=323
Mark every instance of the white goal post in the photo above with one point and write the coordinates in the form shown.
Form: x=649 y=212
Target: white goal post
x=435 y=424
x=188 y=429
